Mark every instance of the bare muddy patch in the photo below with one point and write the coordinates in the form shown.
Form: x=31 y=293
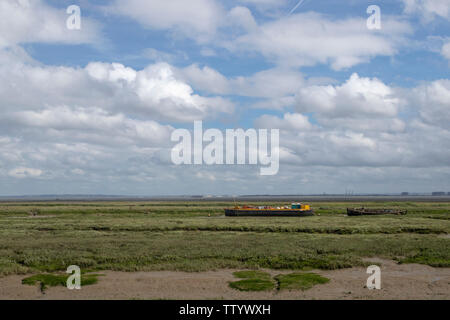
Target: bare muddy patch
x=398 y=281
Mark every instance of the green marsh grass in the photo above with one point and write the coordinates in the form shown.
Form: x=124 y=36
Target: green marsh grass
x=299 y=281
x=53 y=280
x=196 y=236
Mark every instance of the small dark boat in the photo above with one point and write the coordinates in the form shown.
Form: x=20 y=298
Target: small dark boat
x=296 y=210
x=373 y=212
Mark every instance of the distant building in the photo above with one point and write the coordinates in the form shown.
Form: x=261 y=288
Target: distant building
x=405 y=193
x=438 y=193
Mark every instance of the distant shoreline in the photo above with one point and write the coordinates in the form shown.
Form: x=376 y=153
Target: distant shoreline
x=312 y=198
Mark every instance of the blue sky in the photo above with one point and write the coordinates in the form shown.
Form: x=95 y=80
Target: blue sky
x=92 y=110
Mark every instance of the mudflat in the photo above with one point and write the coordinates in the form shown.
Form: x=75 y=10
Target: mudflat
x=398 y=281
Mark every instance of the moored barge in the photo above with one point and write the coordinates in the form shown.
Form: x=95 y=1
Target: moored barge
x=295 y=210
x=373 y=212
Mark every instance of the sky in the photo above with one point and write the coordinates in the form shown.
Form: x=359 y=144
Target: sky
x=92 y=110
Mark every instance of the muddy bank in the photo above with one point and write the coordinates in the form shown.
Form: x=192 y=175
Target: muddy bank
x=407 y=281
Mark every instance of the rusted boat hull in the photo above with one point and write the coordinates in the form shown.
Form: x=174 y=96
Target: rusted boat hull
x=267 y=213
x=374 y=212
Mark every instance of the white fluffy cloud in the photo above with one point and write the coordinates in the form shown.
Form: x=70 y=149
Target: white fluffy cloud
x=355 y=98
x=271 y=83
x=156 y=91
x=359 y=124
x=303 y=39
x=89 y=125
x=24 y=21
x=306 y=39
x=241 y=17
x=100 y=122
x=433 y=102
x=428 y=9
x=416 y=145
x=198 y=18
x=153 y=92
x=290 y=122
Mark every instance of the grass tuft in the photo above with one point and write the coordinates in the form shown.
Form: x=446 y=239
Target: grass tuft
x=53 y=280
x=253 y=285
x=253 y=280
x=299 y=281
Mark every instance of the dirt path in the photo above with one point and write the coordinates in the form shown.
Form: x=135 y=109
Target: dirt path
x=408 y=281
